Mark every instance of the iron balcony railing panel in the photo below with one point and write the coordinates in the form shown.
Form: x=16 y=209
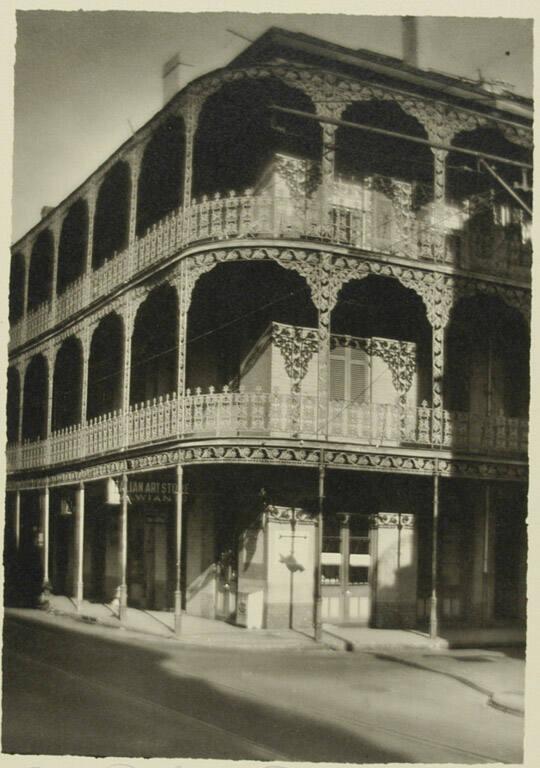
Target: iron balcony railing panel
x=377 y=214
x=229 y=414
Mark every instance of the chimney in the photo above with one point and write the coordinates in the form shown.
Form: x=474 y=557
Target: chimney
x=409 y=37
x=171 y=77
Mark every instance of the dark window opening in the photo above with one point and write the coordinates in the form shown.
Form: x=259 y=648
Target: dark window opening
x=111 y=223
x=72 y=246
x=161 y=177
x=361 y=153
x=155 y=346
x=67 y=384
x=16 y=288
x=105 y=367
x=35 y=399
x=41 y=270
x=238 y=134
x=13 y=405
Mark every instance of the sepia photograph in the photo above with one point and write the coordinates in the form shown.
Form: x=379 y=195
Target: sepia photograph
x=267 y=365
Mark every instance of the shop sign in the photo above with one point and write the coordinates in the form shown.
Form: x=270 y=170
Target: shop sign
x=151 y=491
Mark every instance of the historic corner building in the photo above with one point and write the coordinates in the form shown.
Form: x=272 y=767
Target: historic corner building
x=270 y=363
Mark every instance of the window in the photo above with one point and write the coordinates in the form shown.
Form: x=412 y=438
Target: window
x=349 y=374
x=331 y=559
x=345 y=558
x=359 y=559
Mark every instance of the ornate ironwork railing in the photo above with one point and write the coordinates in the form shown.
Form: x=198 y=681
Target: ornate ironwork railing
x=259 y=414
x=382 y=216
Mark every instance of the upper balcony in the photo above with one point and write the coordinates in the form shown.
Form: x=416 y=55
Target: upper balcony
x=371 y=193
x=377 y=215
x=377 y=385
x=262 y=415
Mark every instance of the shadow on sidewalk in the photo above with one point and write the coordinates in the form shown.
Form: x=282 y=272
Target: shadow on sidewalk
x=72 y=692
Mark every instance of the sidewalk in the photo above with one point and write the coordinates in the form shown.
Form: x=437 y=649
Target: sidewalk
x=499 y=674
x=195 y=630
x=351 y=638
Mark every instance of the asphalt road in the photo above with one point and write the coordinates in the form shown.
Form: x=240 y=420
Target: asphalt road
x=86 y=690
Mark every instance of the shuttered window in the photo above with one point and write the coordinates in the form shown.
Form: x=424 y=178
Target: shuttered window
x=349 y=375
x=337 y=374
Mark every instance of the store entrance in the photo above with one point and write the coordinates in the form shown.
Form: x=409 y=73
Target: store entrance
x=150 y=557
x=345 y=566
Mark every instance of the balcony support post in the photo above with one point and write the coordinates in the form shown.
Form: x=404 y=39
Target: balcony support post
x=22 y=375
x=184 y=298
x=126 y=378
x=486 y=557
x=439 y=201
x=325 y=301
x=122 y=589
x=328 y=169
x=318 y=553
x=26 y=283
x=190 y=116
x=91 y=199
x=79 y=545
x=135 y=160
x=328 y=159
x=17 y=521
x=56 y=228
x=84 y=378
x=45 y=517
x=437 y=384
x=51 y=356
x=178 y=552
x=434 y=611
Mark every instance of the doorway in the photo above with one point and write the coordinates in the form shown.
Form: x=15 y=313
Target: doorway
x=150 y=557
x=345 y=570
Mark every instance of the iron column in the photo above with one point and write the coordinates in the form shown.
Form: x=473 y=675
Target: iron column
x=178 y=543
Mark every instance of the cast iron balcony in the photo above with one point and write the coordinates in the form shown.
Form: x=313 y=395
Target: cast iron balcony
x=273 y=415
x=377 y=215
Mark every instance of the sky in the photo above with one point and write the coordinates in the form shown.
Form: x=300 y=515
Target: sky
x=85 y=79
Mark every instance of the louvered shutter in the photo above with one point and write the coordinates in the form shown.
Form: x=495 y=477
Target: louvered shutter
x=337 y=374
x=359 y=376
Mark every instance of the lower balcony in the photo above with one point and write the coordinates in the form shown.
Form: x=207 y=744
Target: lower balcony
x=274 y=415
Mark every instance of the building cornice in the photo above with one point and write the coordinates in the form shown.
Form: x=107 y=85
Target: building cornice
x=279 y=453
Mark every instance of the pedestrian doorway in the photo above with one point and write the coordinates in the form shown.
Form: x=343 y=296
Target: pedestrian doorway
x=62 y=542
x=345 y=569
x=150 y=557
x=226 y=559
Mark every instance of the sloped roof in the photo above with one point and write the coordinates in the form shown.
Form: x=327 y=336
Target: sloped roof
x=276 y=41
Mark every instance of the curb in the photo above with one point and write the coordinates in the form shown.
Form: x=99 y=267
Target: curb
x=494 y=699
x=240 y=645
x=497 y=701
x=338 y=643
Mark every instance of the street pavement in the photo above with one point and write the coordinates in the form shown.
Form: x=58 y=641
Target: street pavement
x=83 y=689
